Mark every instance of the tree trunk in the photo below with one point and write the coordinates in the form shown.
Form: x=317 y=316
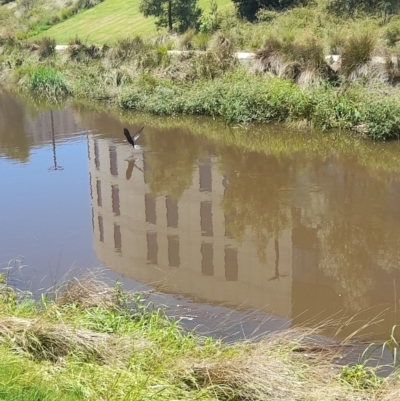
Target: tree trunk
x=170 y=15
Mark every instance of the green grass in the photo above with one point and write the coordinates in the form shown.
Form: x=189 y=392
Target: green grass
x=138 y=75
x=94 y=342
x=110 y=20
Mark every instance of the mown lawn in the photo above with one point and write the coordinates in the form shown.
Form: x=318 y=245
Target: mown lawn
x=110 y=20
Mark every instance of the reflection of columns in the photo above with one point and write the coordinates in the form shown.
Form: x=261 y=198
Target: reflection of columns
x=231 y=264
x=228 y=218
x=117 y=237
x=150 y=209
x=205 y=175
x=207 y=264
x=113 y=161
x=172 y=212
x=206 y=219
x=101 y=228
x=96 y=155
x=115 y=200
x=174 y=259
x=99 y=199
x=206 y=216
x=152 y=247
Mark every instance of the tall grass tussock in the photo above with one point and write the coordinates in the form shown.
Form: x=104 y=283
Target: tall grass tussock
x=89 y=341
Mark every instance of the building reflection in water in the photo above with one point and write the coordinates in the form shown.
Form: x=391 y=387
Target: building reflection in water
x=182 y=244
x=262 y=234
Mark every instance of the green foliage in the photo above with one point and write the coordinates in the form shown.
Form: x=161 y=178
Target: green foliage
x=299 y=59
x=240 y=98
x=331 y=109
x=360 y=377
x=352 y=7
x=20 y=379
x=86 y=4
x=128 y=48
x=186 y=40
x=266 y=15
x=46 y=81
x=382 y=117
x=392 y=33
x=211 y=22
x=200 y=41
x=46 y=47
x=357 y=51
x=250 y=8
x=180 y=15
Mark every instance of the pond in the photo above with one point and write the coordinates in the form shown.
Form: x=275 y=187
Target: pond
x=260 y=228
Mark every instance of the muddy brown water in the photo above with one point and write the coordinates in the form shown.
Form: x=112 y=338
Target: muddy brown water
x=252 y=234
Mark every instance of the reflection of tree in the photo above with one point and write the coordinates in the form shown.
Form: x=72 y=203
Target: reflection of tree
x=357 y=233
x=13 y=140
x=257 y=195
x=170 y=162
x=352 y=212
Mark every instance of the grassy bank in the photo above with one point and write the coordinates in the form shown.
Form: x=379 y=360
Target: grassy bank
x=111 y=20
x=90 y=341
x=289 y=81
x=100 y=21
x=140 y=75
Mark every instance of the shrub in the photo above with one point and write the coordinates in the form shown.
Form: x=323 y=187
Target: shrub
x=200 y=41
x=392 y=34
x=9 y=44
x=78 y=51
x=186 y=40
x=47 y=82
x=86 y=4
x=125 y=49
x=298 y=59
x=331 y=109
x=357 y=51
x=382 y=118
x=266 y=15
x=261 y=100
x=46 y=47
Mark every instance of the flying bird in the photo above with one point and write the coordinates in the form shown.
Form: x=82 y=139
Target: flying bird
x=135 y=137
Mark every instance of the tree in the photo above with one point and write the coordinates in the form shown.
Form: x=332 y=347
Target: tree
x=352 y=7
x=172 y=14
x=211 y=22
x=248 y=8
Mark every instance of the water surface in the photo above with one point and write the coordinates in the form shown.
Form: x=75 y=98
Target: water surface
x=302 y=227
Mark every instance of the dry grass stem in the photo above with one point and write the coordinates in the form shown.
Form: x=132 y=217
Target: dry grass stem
x=87 y=292
x=53 y=342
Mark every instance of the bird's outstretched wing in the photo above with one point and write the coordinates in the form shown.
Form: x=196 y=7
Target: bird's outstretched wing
x=136 y=136
x=128 y=137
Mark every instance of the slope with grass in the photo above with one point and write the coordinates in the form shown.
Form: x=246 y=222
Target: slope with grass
x=110 y=20
x=139 y=74
x=89 y=341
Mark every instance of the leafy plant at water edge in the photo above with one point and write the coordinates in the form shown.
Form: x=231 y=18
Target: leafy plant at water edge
x=360 y=376
x=382 y=118
x=332 y=109
x=47 y=81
